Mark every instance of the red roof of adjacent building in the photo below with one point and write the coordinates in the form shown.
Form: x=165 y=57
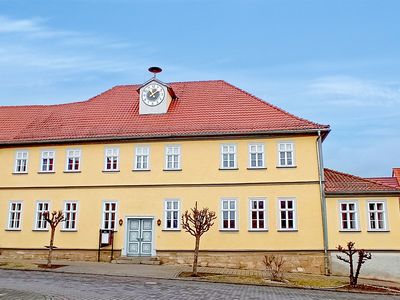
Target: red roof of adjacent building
x=391 y=181
x=202 y=108
x=396 y=173
x=338 y=182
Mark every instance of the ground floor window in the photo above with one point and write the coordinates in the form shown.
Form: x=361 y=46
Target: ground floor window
x=14 y=217
x=348 y=211
x=40 y=222
x=229 y=214
x=171 y=215
x=376 y=215
x=70 y=215
x=109 y=214
x=258 y=214
x=287 y=213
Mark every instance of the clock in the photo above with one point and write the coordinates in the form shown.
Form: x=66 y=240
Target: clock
x=153 y=94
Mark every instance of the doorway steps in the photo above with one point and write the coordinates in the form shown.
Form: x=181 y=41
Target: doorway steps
x=138 y=260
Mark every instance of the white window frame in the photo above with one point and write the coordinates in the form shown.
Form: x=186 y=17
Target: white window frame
x=109 y=212
x=73 y=156
x=10 y=212
x=355 y=211
x=65 y=212
x=257 y=152
x=142 y=151
x=294 y=209
x=17 y=158
x=229 y=152
x=39 y=217
x=222 y=210
x=384 y=213
x=168 y=148
x=51 y=154
x=172 y=210
x=115 y=153
x=293 y=151
x=264 y=211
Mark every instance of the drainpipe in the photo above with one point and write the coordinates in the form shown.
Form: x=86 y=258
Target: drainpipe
x=323 y=203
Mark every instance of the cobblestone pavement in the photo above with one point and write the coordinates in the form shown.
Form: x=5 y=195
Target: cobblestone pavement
x=27 y=285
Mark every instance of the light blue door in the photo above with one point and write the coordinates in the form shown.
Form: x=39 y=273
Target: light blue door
x=140 y=237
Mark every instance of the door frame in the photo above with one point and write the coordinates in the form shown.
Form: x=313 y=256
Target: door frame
x=152 y=218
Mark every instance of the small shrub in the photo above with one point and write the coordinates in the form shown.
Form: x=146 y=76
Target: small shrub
x=274 y=267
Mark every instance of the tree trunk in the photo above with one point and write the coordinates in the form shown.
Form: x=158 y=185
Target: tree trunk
x=196 y=255
x=53 y=230
x=351 y=271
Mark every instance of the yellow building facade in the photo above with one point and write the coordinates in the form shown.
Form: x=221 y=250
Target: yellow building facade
x=134 y=158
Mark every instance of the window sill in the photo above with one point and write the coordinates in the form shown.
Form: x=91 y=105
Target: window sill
x=19 y=173
x=46 y=172
x=287 y=230
x=141 y=170
x=71 y=171
x=228 y=169
x=229 y=230
x=258 y=230
x=256 y=168
x=379 y=230
x=172 y=230
x=110 y=171
x=355 y=230
x=68 y=230
x=169 y=170
x=12 y=229
x=38 y=230
x=286 y=167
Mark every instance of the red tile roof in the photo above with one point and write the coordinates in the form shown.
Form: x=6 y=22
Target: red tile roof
x=202 y=108
x=396 y=173
x=391 y=181
x=338 y=183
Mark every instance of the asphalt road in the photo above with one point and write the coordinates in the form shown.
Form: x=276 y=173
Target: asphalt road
x=46 y=285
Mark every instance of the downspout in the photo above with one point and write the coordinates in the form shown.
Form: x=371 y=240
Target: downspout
x=323 y=204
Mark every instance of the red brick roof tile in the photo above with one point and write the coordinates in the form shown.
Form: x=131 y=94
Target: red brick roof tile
x=391 y=181
x=202 y=108
x=338 y=182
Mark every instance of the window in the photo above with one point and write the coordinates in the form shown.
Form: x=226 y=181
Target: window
x=47 y=163
x=40 y=222
x=348 y=215
x=70 y=215
x=171 y=208
x=109 y=214
x=258 y=220
x=173 y=157
x=287 y=214
x=228 y=156
x=14 y=217
x=142 y=155
x=377 y=215
x=21 y=162
x=111 y=159
x=229 y=214
x=256 y=156
x=286 y=154
x=73 y=160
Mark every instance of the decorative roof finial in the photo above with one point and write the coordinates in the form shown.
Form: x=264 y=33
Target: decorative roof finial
x=155 y=70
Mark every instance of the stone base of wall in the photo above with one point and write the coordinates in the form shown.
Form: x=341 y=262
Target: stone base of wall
x=63 y=254
x=307 y=262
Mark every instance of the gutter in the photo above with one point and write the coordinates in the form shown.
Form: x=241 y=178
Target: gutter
x=323 y=204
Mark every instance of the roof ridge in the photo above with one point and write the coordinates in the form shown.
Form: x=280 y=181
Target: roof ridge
x=362 y=178
x=274 y=106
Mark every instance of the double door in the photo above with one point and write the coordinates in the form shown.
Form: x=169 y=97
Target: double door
x=140 y=237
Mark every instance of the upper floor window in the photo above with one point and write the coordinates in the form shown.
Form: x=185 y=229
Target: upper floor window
x=348 y=215
x=285 y=154
x=287 y=214
x=109 y=214
x=47 y=161
x=21 y=162
x=377 y=215
x=229 y=214
x=173 y=157
x=14 y=215
x=73 y=160
x=142 y=158
x=70 y=215
x=256 y=156
x=40 y=222
x=111 y=162
x=228 y=156
x=258 y=214
x=171 y=214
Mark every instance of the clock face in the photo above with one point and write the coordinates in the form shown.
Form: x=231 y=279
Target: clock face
x=153 y=94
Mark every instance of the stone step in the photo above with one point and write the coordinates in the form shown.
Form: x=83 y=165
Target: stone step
x=142 y=260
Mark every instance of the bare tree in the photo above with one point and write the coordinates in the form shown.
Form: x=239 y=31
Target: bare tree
x=274 y=266
x=197 y=222
x=363 y=256
x=54 y=219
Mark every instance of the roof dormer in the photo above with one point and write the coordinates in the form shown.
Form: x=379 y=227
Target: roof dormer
x=155 y=96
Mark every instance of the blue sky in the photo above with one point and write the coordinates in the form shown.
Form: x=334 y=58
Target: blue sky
x=333 y=62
